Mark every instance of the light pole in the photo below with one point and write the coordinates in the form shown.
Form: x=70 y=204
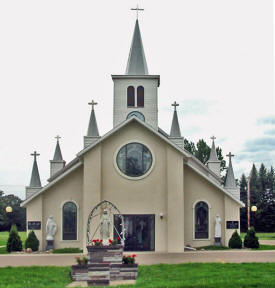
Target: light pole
x=248 y=202
x=254 y=210
x=9 y=211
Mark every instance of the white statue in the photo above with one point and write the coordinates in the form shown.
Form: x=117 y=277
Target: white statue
x=218 y=228
x=51 y=228
x=105 y=227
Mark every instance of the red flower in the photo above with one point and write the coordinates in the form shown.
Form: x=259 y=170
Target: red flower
x=110 y=241
x=101 y=241
x=117 y=238
x=134 y=255
x=94 y=241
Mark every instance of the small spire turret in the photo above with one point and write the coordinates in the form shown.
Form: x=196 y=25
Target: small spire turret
x=175 y=134
x=213 y=163
x=57 y=163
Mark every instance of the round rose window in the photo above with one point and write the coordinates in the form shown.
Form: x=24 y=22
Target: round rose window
x=134 y=159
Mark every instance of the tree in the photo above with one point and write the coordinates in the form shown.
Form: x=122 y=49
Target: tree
x=17 y=216
x=250 y=239
x=202 y=151
x=14 y=242
x=235 y=241
x=189 y=146
x=243 y=197
x=32 y=241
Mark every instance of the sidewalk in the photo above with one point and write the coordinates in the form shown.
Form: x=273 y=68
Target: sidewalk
x=145 y=258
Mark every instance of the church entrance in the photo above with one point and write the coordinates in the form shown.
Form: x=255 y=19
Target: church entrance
x=139 y=232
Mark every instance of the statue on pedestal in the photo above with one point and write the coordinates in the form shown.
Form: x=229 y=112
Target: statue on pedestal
x=218 y=230
x=105 y=227
x=51 y=228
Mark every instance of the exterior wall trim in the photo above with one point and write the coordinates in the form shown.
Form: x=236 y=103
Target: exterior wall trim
x=77 y=222
x=209 y=217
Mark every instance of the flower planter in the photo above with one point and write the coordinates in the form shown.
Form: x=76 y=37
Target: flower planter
x=123 y=271
x=105 y=254
x=80 y=273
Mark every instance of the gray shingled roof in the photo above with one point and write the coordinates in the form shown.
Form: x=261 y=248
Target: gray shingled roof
x=230 y=179
x=136 y=62
x=175 y=127
x=92 y=129
x=35 y=178
x=213 y=154
x=57 y=153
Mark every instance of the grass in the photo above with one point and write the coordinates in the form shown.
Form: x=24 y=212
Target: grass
x=266 y=247
x=67 y=250
x=213 y=248
x=262 y=236
x=195 y=275
x=5 y=235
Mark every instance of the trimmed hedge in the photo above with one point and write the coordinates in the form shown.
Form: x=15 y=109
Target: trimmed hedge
x=67 y=250
x=32 y=242
x=250 y=239
x=235 y=241
x=14 y=242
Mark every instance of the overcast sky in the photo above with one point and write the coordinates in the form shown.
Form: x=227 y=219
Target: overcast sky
x=214 y=57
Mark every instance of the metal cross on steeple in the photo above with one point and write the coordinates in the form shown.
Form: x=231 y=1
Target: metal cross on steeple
x=93 y=103
x=213 y=138
x=175 y=104
x=35 y=154
x=137 y=9
x=230 y=155
x=57 y=137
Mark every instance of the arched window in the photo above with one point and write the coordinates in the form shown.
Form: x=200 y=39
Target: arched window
x=201 y=220
x=140 y=96
x=69 y=214
x=131 y=96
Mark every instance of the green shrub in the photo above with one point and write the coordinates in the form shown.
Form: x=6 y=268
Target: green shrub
x=250 y=239
x=32 y=242
x=67 y=250
x=235 y=241
x=14 y=242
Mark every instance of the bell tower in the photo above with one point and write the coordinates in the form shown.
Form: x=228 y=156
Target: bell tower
x=136 y=92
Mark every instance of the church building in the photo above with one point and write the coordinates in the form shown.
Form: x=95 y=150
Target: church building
x=168 y=198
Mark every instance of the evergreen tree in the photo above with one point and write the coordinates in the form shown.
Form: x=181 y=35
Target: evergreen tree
x=32 y=241
x=203 y=151
x=243 y=197
x=14 y=242
x=189 y=146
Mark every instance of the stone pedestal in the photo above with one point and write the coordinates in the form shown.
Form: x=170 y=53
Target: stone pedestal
x=50 y=245
x=217 y=241
x=105 y=254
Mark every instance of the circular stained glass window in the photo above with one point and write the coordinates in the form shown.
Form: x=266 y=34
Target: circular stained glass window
x=134 y=159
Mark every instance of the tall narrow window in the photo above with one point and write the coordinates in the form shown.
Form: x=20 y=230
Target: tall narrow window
x=140 y=96
x=131 y=96
x=69 y=221
x=201 y=220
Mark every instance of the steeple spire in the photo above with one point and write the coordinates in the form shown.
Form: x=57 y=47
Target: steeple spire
x=92 y=129
x=213 y=154
x=57 y=163
x=57 y=154
x=35 y=178
x=175 y=128
x=136 y=62
x=92 y=134
x=213 y=163
x=230 y=179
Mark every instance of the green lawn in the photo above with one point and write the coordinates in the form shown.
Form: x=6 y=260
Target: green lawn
x=262 y=236
x=213 y=275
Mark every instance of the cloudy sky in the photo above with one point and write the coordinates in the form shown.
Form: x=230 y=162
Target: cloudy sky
x=215 y=57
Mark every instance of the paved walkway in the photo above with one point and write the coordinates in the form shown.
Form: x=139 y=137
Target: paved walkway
x=267 y=242
x=145 y=258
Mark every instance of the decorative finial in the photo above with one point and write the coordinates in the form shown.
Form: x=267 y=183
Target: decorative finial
x=137 y=9
x=57 y=138
x=213 y=138
x=93 y=103
x=35 y=154
x=175 y=104
x=230 y=155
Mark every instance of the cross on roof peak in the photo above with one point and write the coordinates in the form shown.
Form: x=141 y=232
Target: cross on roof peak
x=57 y=137
x=175 y=104
x=35 y=154
x=137 y=9
x=213 y=138
x=230 y=155
x=93 y=103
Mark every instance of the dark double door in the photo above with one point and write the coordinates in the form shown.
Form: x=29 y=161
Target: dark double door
x=139 y=232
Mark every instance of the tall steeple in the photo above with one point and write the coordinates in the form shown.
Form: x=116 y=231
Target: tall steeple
x=92 y=134
x=213 y=163
x=136 y=92
x=35 y=183
x=57 y=163
x=137 y=64
x=230 y=183
x=175 y=135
